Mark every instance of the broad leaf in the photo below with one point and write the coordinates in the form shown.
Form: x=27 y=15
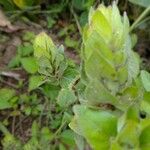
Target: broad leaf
x=96 y=43
x=98 y=127
x=35 y=81
x=29 y=64
x=145 y=77
x=96 y=94
x=129 y=135
x=145 y=138
x=66 y=97
x=97 y=66
x=67 y=137
x=101 y=25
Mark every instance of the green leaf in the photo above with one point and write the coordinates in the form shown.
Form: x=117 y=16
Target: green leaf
x=28 y=36
x=83 y=18
x=5 y=96
x=14 y=62
x=24 y=3
x=134 y=65
x=29 y=64
x=101 y=25
x=115 y=146
x=44 y=47
x=66 y=97
x=46 y=134
x=143 y=3
x=68 y=77
x=67 y=137
x=45 y=66
x=129 y=135
x=145 y=77
x=96 y=43
x=8 y=5
x=25 y=50
x=98 y=127
x=145 y=138
x=51 y=91
x=82 y=4
x=50 y=21
x=62 y=147
x=35 y=81
x=71 y=42
x=145 y=104
x=98 y=66
x=96 y=94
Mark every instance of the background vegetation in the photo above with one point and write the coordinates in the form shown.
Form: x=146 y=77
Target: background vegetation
x=35 y=109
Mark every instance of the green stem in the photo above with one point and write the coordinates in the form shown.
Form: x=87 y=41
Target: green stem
x=143 y=21
x=145 y=12
x=58 y=131
x=76 y=19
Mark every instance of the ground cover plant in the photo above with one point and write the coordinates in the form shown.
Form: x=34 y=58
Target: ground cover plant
x=99 y=102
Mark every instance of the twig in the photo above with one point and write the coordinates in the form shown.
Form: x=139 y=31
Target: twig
x=20 y=124
x=145 y=12
x=13 y=125
x=10 y=74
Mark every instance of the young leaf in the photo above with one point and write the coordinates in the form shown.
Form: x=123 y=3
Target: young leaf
x=5 y=96
x=101 y=25
x=96 y=94
x=145 y=77
x=67 y=137
x=98 y=66
x=35 y=81
x=66 y=97
x=29 y=64
x=44 y=47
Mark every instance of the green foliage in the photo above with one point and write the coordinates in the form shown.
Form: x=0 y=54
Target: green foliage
x=35 y=81
x=66 y=97
x=24 y=54
x=52 y=62
x=145 y=77
x=96 y=126
x=29 y=64
x=6 y=96
x=22 y=4
x=109 y=92
x=7 y=4
x=82 y=4
x=113 y=97
x=143 y=3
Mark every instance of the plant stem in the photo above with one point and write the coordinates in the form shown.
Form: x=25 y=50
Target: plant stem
x=76 y=19
x=145 y=12
x=58 y=130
